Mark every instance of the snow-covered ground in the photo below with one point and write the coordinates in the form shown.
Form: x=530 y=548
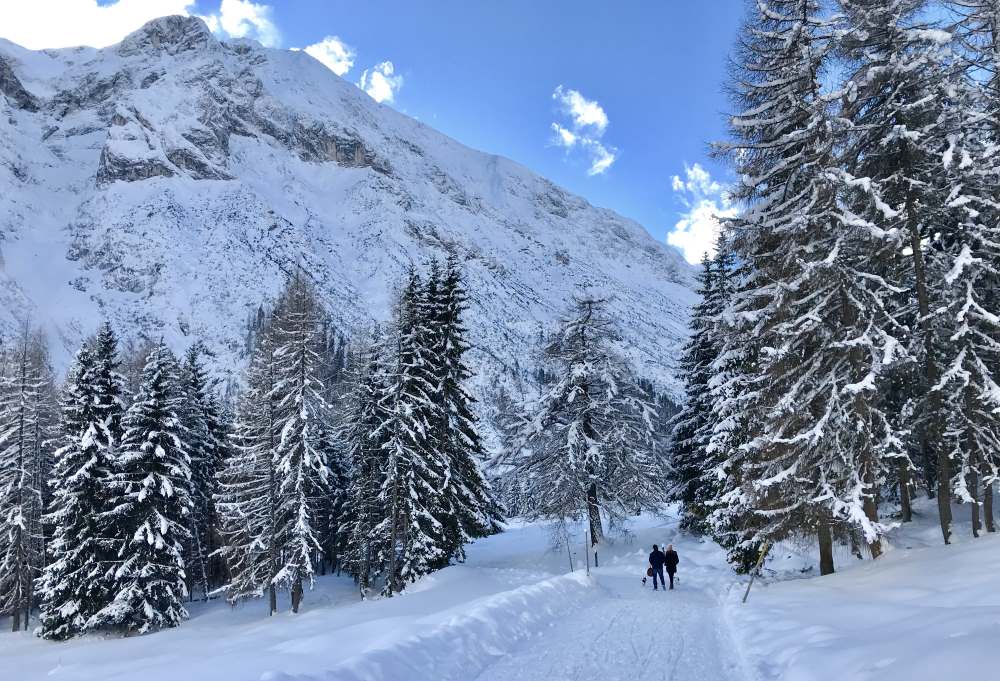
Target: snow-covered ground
x=922 y=611
x=514 y=611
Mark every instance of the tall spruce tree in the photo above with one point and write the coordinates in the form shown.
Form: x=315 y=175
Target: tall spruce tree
x=366 y=437
x=814 y=304
x=692 y=427
x=204 y=438
x=304 y=444
x=902 y=76
x=969 y=386
x=414 y=470
x=588 y=445
x=150 y=489
x=26 y=389
x=735 y=396
x=79 y=581
x=971 y=283
x=275 y=482
x=470 y=510
x=247 y=497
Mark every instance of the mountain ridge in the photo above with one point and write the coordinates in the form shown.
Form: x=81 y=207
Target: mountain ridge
x=168 y=182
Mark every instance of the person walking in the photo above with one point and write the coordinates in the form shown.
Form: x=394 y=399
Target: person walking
x=656 y=560
x=670 y=559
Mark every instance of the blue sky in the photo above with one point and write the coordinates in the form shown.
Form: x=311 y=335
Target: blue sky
x=632 y=89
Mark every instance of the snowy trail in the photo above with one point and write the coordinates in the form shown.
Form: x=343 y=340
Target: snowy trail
x=629 y=633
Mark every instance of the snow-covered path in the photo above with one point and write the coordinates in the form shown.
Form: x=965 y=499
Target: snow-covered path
x=515 y=612
x=631 y=633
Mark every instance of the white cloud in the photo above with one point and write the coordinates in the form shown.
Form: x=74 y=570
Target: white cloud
x=40 y=24
x=586 y=123
x=564 y=137
x=334 y=53
x=601 y=157
x=245 y=19
x=380 y=82
x=707 y=201
x=697 y=181
x=586 y=113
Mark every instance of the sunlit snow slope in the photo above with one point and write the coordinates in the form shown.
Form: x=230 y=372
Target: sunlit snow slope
x=168 y=182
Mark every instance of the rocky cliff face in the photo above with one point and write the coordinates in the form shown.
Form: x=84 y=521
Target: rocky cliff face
x=170 y=182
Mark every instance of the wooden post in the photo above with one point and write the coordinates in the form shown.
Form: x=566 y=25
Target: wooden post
x=569 y=554
x=756 y=568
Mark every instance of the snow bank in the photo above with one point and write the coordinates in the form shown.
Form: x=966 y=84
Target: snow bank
x=465 y=615
x=922 y=611
x=467 y=643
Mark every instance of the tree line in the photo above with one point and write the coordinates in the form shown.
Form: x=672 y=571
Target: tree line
x=844 y=354
x=126 y=493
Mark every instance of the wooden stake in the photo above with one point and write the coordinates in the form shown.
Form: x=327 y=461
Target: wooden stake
x=756 y=568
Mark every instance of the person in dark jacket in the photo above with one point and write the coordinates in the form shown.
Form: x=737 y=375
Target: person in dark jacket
x=656 y=563
x=670 y=559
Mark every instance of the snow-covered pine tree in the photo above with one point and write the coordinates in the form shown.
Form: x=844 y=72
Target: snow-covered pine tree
x=692 y=427
x=414 y=470
x=78 y=581
x=334 y=518
x=588 y=445
x=150 y=489
x=470 y=511
x=365 y=436
x=199 y=414
x=26 y=391
x=817 y=455
x=247 y=499
x=334 y=375
x=735 y=391
x=979 y=30
x=304 y=444
x=902 y=76
x=969 y=386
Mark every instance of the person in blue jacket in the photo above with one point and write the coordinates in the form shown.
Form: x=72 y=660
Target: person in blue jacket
x=656 y=560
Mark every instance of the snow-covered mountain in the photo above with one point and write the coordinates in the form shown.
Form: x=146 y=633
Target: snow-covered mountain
x=168 y=183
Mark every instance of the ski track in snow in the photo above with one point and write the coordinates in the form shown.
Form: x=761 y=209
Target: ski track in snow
x=629 y=633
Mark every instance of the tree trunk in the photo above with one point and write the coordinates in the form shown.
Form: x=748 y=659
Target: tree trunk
x=200 y=558
x=272 y=555
x=594 y=513
x=930 y=434
x=856 y=546
x=296 y=594
x=973 y=484
x=972 y=478
x=944 y=494
x=988 y=506
x=871 y=510
x=825 y=548
x=905 y=505
x=395 y=586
